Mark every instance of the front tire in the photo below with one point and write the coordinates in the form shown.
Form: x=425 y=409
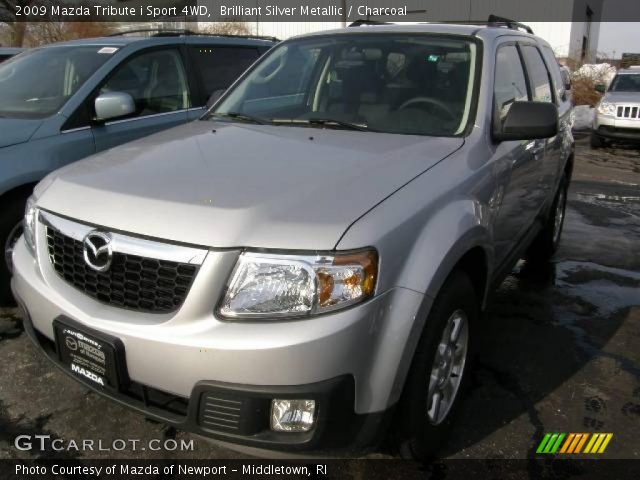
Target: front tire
x=439 y=373
x=596 y=141
x=10 y=231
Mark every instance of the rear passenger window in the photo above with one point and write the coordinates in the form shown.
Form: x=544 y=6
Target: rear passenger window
x=219 y=67
x=510 y=84
x=538 y=74
x=554 y=69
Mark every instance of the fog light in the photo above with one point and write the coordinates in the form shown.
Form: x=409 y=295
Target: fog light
x=292 y=415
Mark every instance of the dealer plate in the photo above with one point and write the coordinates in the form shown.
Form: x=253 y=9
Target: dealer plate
x=95 y=357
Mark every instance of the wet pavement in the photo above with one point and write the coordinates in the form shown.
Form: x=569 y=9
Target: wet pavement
x=558 y=348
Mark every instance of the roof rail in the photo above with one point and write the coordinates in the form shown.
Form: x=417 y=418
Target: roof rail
x=169 y=32
x=496 y=21
x=359 y=23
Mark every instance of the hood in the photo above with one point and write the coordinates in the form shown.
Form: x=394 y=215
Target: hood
x=17 y=130
x=241 y=185
x=622 y=97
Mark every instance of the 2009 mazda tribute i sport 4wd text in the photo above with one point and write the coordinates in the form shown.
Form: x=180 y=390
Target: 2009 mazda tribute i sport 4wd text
x=304 y=268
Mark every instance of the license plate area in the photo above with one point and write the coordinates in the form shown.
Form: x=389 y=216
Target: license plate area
x=96 y=357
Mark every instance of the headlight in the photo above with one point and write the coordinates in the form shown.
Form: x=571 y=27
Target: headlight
x=29 y=224
x=607 y=108
x=275 y=286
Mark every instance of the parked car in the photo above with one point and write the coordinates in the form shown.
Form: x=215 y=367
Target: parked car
x=7 y=52
x=65 y=101
x=617 y=115
x=306 y=265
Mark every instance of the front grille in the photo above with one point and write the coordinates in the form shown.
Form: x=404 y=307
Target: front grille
x=626 y=111
x=137 y=283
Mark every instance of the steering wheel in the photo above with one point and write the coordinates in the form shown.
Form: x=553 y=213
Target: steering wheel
x=441 y=106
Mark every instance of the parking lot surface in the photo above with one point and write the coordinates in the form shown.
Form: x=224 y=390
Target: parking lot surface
x=558 y=349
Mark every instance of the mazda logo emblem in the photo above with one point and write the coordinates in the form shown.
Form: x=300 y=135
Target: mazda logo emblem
x=97 y=250
x=71 y=342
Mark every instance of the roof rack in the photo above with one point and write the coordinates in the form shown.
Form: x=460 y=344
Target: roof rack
x=169 y=32
x=496 y=21
x=359 y=23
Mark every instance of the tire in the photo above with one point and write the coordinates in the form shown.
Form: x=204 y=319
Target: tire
x=422 y=431
x=548 y=240
x=596 y=141
x=10 y=230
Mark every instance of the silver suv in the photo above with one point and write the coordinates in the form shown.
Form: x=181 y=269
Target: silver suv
x=306 y=265
x=618 y=113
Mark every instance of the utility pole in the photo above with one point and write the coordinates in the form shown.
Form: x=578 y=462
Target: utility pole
x=344 y=13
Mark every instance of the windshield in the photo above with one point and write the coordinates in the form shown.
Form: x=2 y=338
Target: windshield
x=418 y=85
x=38 y=82
x=628 y=82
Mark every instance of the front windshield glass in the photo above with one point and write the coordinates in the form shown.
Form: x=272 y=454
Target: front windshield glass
x=627 y=82
x=418 y=85
x=37 y=83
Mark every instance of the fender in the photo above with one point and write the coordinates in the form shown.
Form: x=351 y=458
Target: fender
x=418 y=254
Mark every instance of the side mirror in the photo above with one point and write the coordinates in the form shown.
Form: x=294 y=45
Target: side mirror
x=528 y=121
x=113 y=105
x=600 y=87
x=214 y=97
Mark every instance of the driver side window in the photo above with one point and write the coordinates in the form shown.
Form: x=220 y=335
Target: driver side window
x=156 y=80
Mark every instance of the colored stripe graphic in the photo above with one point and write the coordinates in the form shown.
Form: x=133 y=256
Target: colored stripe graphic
x=574 y=443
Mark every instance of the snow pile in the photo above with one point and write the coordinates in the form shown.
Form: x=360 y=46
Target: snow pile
x=583 y=117
x=598 y=72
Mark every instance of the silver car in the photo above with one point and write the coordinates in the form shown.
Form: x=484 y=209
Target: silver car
x=304 y=268
x=617 y=116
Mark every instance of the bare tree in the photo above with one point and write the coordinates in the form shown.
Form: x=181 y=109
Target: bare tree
x=48 y=32
x=225 y=28
x=16 y=30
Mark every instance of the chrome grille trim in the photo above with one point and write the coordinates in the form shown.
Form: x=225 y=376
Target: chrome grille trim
x=126 y=244
x=628 y=112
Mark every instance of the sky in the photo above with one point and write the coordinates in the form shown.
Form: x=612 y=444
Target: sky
x=619 y=37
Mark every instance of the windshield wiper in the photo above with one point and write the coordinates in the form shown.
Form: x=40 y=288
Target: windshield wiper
x=243 y=116
x=326 y=121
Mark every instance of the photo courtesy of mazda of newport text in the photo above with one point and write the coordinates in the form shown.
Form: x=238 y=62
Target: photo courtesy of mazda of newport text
x=304 y=268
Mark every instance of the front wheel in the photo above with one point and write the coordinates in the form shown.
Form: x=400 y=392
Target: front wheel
x=10 y=231
x=596 y=141
x=440 y=370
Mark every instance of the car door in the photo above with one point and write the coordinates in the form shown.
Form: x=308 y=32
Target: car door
x=542 y=91
x=517 y=164
x=215 y=67
x=157 y=81
x=561 y=147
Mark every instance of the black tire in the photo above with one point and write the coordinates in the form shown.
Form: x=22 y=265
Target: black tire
x=548 y=240
x=596 y=141
x=10 y=229
x=419 y=437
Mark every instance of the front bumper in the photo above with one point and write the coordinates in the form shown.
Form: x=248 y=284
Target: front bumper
x=351 y=362
x=612 y=128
